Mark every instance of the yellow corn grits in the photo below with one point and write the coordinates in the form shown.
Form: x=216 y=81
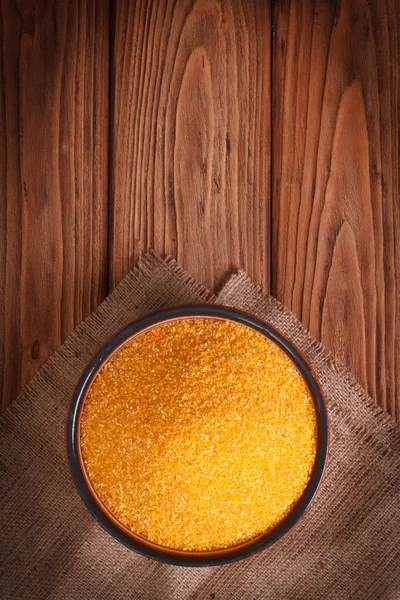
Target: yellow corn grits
x=199 y=434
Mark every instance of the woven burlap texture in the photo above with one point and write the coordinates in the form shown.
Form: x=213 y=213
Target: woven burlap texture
x=346 y=547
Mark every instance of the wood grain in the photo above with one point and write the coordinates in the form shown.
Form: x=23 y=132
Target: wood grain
x=190 y=153
x=196 y=90
x=335 y=201
x=53 y=167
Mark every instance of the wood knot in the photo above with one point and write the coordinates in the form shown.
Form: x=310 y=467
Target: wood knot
x=35 y=350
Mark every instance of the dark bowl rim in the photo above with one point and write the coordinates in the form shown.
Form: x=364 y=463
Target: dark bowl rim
x=104 y=516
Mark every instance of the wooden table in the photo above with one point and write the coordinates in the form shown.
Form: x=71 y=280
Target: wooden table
x=253 y=134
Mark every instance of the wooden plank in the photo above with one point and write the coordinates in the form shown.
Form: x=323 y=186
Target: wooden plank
x=335 y=206
x=190 y=159
x=54 y=156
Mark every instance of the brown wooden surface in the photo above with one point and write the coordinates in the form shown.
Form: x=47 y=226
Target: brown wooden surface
x=54 y=154
x=190 y=152
x=335 y=226
x=130 y=125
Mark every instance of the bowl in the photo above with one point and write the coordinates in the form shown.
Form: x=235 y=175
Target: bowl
x=139 y=543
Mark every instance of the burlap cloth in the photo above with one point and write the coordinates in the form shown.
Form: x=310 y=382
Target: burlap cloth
x=347 y=545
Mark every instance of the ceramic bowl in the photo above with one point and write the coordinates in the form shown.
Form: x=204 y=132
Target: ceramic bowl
x=137 y=542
